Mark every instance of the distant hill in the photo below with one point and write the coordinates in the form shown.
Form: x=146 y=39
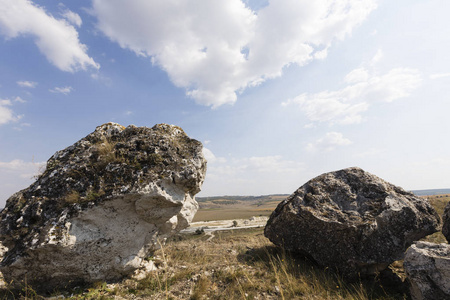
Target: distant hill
x=431 y=192
x=240 y=198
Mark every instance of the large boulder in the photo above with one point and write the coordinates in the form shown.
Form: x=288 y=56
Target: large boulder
x=352 y=221
x=446 y=222
x=427 y=266
x=101 y=206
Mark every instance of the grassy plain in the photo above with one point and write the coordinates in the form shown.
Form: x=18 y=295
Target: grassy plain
x=438 y=202
x=240 y=264
x=229 y=208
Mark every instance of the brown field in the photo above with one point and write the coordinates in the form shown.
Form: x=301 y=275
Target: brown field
x=228 y=214
x=226 y=209
x=438 y=202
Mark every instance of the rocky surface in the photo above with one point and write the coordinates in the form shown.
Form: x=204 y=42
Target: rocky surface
x=446 y=222
x=101 y=206
x=428 y=268
x=352 y=221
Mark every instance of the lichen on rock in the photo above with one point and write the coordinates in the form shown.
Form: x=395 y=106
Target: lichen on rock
x=101 y=204
x=427 y=266
x=351 y=221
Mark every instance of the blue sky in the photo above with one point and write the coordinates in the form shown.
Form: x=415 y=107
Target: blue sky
x=278 y=91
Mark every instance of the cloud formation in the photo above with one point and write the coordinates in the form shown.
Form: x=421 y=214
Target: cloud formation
x=256 y=175
x=27 y=84
x=6 y=113
x=72 y=17
x=66 y=90
x=16 y=175
x=216 y=49
x=20 y=100
x=329 y=142
x=56 y=39
x=345 y=106
x=25 y=168
x=211 y=158
x=439 y=75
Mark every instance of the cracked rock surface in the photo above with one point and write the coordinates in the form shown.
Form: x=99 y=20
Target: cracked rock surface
x=352 y=221
x=428 y=268
x=101 y=206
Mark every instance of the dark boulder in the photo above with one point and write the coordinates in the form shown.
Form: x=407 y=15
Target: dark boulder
x=352 y=221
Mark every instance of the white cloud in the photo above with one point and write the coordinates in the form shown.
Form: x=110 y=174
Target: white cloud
x=24 y=167
x=21 y=126
x=345 y=106
x=322 y=54
x=211 y=158
x=215 y=49
x=259 y=164
x=16 y=175
x=331 y=141
x=271 y=164
x=371 y=153
x=257 y=175
x=101 y=78
x=20 y=100
x=56 y=39
x=396 y=84
x=72 y=17
x=329 y=107
x=63 y=90
x=6 y=113
x=439 y=75
x=357 y=75
x=27 y=84
x=378 y=56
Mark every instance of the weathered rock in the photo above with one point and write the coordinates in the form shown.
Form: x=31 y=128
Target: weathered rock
x=352 y=221
x=101 y=205
x=446 y=222
x=427 y=266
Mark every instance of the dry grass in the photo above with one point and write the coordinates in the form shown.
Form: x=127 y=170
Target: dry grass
x=107 y=154
x=242 y=264
x=73 y=197
x=438 y=202
x=239 y=264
